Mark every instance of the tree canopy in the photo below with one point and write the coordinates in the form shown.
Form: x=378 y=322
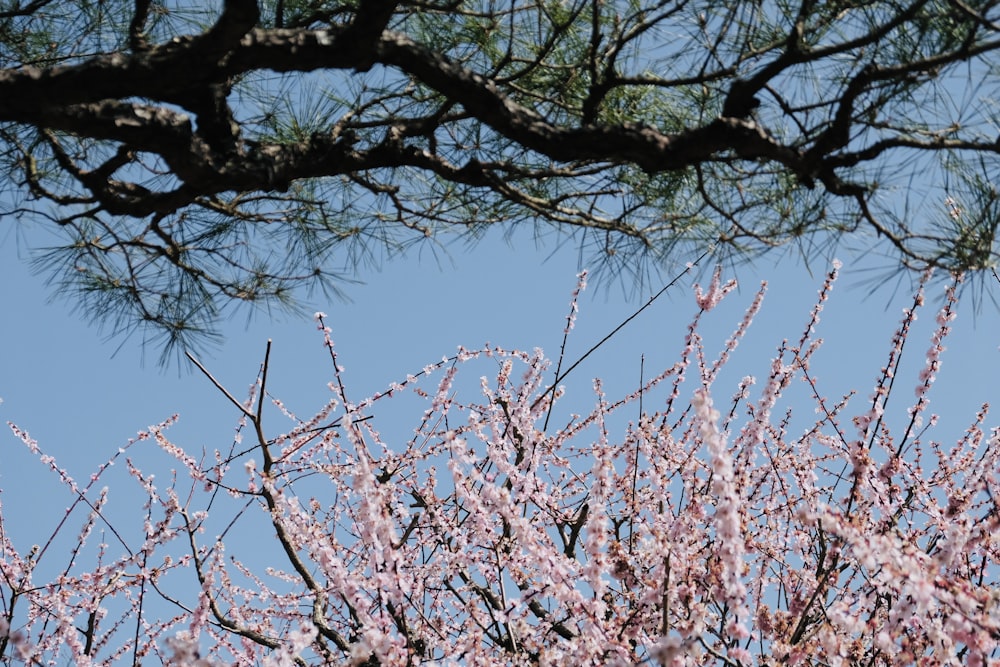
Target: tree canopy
x=193 y=155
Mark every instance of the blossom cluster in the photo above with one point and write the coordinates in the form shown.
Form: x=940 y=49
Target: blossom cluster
x=683 y=536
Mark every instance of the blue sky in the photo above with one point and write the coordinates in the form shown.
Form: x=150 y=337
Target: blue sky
x=80 y=399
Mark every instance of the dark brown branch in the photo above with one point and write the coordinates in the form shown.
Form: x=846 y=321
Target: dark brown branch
x=465 y=116
x=137 y=28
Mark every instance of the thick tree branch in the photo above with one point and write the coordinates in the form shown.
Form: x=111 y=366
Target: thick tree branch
x=458 y=116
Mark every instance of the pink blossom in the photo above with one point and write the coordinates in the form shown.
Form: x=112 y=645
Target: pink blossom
x=480 y=518
x=716 y=291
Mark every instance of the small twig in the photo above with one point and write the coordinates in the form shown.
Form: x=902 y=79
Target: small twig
x=560 y=378
x=570 y=319
x=219 y=386
x=635 y=464
x=263 y=380
x=258 y=423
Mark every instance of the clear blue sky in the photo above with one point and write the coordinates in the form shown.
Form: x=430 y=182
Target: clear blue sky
x=62 y=381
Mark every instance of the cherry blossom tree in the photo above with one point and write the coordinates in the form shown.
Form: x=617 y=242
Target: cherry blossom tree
x=715 y=525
